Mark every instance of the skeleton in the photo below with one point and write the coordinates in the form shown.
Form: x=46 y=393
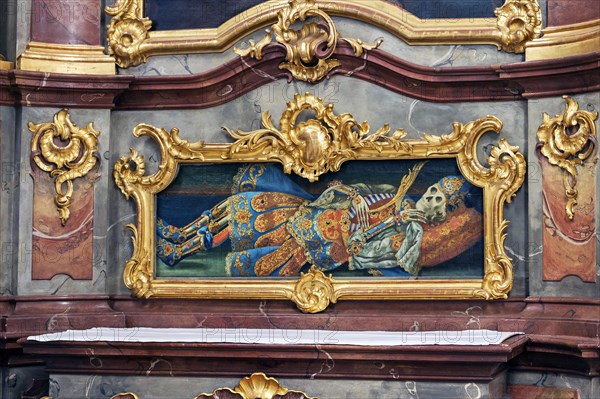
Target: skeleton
x=432 y=204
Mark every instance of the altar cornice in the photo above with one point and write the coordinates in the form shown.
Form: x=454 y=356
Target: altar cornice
x=502 y=82
x=560 y=334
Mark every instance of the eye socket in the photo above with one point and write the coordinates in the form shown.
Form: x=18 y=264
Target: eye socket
x=438 y=199
x=434 y=190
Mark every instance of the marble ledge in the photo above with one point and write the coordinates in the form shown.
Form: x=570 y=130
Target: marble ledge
x=513 y=81
x=434 y=362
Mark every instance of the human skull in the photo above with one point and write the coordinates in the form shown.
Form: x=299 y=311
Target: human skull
x=433 y=204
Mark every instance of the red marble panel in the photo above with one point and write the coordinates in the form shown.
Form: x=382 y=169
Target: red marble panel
x=566 y=12
x=569 y=246
x=58 y=249
x=537 y=392
x=66 y=21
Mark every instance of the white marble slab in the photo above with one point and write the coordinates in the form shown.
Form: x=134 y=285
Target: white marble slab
x=280 y=336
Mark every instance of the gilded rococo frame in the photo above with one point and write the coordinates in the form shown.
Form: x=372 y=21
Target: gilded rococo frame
x=346 y=140
x=131 y=40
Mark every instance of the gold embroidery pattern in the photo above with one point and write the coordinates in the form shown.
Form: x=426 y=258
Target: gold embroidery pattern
x=241 y=224
x=266 y=201
x=267 y=221
x=273 y=238
x=293 y=266
x=249 y=184
x=234 y=261
x=270 y=262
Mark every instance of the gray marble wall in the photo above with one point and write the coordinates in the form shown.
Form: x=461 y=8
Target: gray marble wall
x=9 y=189
x=151 y=387
x=17 y=380
x=15 y=22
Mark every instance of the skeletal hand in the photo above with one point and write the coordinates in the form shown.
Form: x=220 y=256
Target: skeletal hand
x=362 y=210
x=413 y=215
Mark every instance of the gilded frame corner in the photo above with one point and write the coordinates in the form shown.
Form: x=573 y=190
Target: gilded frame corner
x=349 y=140
x=131 y=41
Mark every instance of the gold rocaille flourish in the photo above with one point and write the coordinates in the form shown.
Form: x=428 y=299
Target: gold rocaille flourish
x=310 y=149
x=317 y=146
x=308 y=50
x=127 y=32
x=519 y=21
x=566 y=149
x=75 y=157
x=314 y=291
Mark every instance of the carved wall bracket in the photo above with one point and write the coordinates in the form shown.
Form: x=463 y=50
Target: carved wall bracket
x=308 y=50
x=66 y=152
x=568 y=140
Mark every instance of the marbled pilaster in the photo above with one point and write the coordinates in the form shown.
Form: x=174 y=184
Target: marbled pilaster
x=9 y=186
x=570 y=285
x=66 y=21
x=60 y=284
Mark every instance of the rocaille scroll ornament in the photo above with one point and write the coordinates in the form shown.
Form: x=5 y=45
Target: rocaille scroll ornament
x=316 y=146
x=519 y=21
x=65 y=151
x=127 y=31
x=314 y=291
x=568 y=140
x=308 y=50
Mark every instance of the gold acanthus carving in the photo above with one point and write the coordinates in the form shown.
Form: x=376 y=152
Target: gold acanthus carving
x=309 y=149
x=66 y=152
x=316 y=146
x=308 y=50
x=127 y=32
x=519 y=21
x=568 y=140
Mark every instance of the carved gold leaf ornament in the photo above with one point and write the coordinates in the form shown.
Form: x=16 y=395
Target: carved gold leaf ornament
x=314 y=291
x=66 y=152
x=309 y=49
x=519 y=21
x=310 y=148
x=568 y=140
x=127 y=32
x=316 y=146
